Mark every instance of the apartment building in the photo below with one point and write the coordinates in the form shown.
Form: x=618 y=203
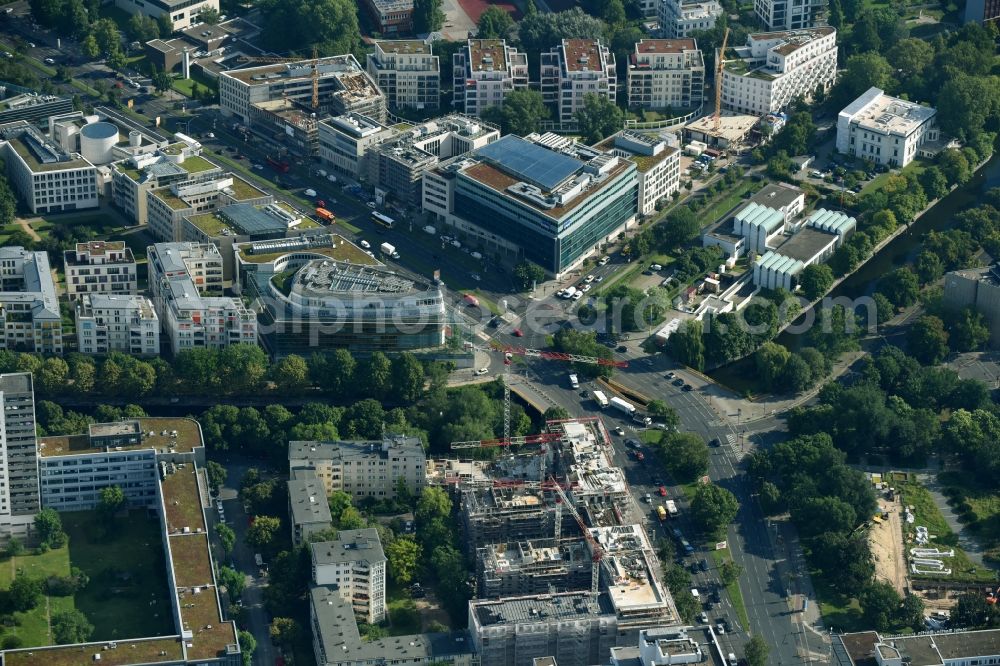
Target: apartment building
x=658 y=165
x=774 y=68
x=100 y=267
x=484 y=72
x=344 y=87
x=168 y=207
x=362 y=469
x=47 y=178
x=344 y=142
x=117 y=322
x=884 y=129
x=666 y=74
x=789 y=14
x=390 y=17
x=308 y=508
x=19 y=495
x=29 y=305
x=678 y=19
x=574 y=69
x=355 y=565
x=181 y=13
x=407 y=71
x=179 y=275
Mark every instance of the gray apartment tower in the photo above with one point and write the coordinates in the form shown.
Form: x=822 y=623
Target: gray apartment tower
x=19 y=497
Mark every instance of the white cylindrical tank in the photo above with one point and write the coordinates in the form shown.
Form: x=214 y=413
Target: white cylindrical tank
x=96 y=142
x=135 y=138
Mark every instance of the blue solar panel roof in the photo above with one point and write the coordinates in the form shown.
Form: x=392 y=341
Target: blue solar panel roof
x=530 y=162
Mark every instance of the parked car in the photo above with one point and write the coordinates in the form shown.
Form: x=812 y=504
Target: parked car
x=482 y=371
x=365 y=244
x=620 y=431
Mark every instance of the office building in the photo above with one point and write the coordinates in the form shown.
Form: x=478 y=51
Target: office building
x=946 y=648
x=320 y=293
x=308 y=508
x=665 y=646
x=978 y=288
x=391 y=18
x=407 y=71
x=168 y=207
x=100 y=267
x=345 y=142
x=678 y=19
x=775 y=68
x=47 y=178
x=355 y=565
x=19 y=495
x=397 y=166
x=657 y=164
x=361 y=469
x=181 y=13
x=133 y=178
x=816 y=242
x=32 y=107
x=982 y=11
x=883 y=129
x=666 y=74
x=116 y=322
x=29 y=305
x=545 y=198
x=180 y=274
x=574 y=69
x=789 y=14
x=344 y=87
x=484 y=72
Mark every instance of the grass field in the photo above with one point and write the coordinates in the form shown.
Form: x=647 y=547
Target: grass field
x=978 y=508
x=915 y=167
x=839 y=611
x=728 y=200
x=721 y=557
x=127 y=596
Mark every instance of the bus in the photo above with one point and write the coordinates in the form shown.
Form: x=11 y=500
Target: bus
x=384 y=220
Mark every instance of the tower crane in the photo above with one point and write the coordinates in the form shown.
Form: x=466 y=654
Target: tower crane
x=720 y=61
x=314 y=63
x=597 y=553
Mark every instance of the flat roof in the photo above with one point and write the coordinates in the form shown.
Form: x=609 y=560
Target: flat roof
x=583 y=55
x=732 y=126
x=349 y=546
x=529 y=161
x=42 y=155
x=665 y=45
x=187 y=439
x=878 y=112
x=189 y=553
x=539 y=608
x=806 y=244
x=928 y=649
x=182 y=501
x=337 y=248
x=307 y=498
x=411 y=46
x=487 y=55
x=125 y=653
x=776 y=195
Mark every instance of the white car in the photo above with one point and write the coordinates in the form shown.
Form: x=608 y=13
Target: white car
x=603 y=261
x=620 y=431
x=703 y=618
x=456 y=243
x=371 y=204
x=586 y=288
x=50 y=61
x=588 y=279
x=211 y=135
x=578 y=295
x=475 y=276
x=259 y=167
x=31 y=45
x=309 y=192
x=365 y=244
x=695 y=593
x=482 y=371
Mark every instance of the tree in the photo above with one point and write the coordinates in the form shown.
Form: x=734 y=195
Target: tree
x=329 y=25
x=427 y=16
x=71 y=626
x=248 y=645
x=713 y=508
x=969 y=330
x=227 y=537
x=209 y=15
x=816 y=280
x=933 y=181
x=729 y=572
x=757 y=651
x=521 y=113
x=263 y=532
x=105 y=31
x=403 y=555
x=911 y=56
x=216 y=474
x=162 y=81
x=143 y=28
x=973 y=612
x=901 y=287
x=434 y=503
x=24 y=593
x=911 y=613
x=528 y=274
x=685 y=455
x=407 y=378
x=375 y=375
x=879 y=604
x=928 y=267
x=539 y=31
x=598 y=117
x=284 y=631
x=112 y=500
x=48 y=524
x=663 y=413
x=680 y=226
x=291 y=374
x=234 y=581
x=14 y=547
x=863 y=71
x=686 y=345
x=966 y=103
x=494 y=23
x=927 y=340
x=955 y=167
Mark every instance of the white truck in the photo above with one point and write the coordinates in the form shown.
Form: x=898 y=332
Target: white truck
x=389 y=249
x=568 y=292
x=671 y=508
x=601 y=399
x=574 y=381
x=623 y=405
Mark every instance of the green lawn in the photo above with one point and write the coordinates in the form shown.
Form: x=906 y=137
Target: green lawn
x=404 y=618
x=720 y=557
x=978 y=507
x=728 y=200
x=839 y=612
x=915 y=167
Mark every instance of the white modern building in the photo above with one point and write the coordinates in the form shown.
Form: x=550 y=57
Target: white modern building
x=775 y=68
x=344 y=87
x=361 y=469
x=134 y=177
x=19 y=495
x=574 y=69
x=355 y=564
x=658 y=165
x=666 y=74
x=823 y=232
x=884 y=129
x=344 y=142
x=47 y=178
x=168 y=207
x=789 y=14
x=485 y=70
x=408 y=72
x=179 y=274
x=678 y=19
x=181 y=13
x=117 y=322
x=100 y=267
x=29 y=304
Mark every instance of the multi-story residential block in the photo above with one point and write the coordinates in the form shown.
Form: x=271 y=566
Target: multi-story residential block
x=789 y=14
x=308 y=508
x=344 y=142
x=407 y=71
x=658 y=165
x=355 y=565
x=179 y=273
x=344 y=87
x=678 y=18
x=666 y=74
x=362 y=469
x=132 y=178
x=105 y=267
x=390 y=17
x=775 y=68
x=168 y=207
x=182 y=13
x=19 y=496
x=29 y=305
x=397 y=166
x=47 y=178
x=574 y=69
x=112 y=322
x=484 y=72
x=549 y=199
x=884 y=129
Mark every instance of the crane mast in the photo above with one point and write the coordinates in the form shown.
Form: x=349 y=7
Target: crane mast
x=720 y=60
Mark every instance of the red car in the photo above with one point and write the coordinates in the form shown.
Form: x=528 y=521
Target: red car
x=662 y=491
x=639 y=455
x=518 y=333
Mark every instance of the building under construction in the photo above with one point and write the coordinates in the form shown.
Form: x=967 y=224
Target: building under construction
x=504 y=512
x=532 y=567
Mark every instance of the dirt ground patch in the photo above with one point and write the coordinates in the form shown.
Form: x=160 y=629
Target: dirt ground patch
x=887 y=546
x=431 y=612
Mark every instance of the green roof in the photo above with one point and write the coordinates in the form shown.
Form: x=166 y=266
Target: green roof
x=210 y=224
x=242 y=190
x=171 y=199
x=196 y=164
